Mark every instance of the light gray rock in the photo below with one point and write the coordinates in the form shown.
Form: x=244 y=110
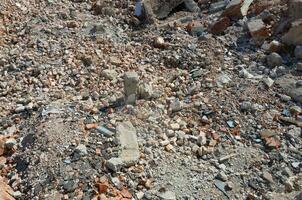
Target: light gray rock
x=175 y=105
x=245 y=74
x=167 y=195
x=288 y=84
x=128 y=139
x=285 y=98
x=110 y=74
x=217 y=6
x=222 y=176
x=267 y=177
x=10 y=143
x=274 y=59
x=246 y=106
x=105 y=131
x=268 y=81
x=145 y=91
x=222 y=79
x=81 y=150
x=20 y=108
x=114 y=164
x=130 y=87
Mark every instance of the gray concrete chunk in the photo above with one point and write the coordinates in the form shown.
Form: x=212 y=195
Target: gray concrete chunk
x=128 y=140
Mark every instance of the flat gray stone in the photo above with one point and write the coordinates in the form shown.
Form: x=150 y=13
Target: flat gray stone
x=167 y=195
x=81 y=150
x=128 y=140
x=288 y=84
x=114 y=164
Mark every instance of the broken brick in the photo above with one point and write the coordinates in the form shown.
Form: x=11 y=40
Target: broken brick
x=221 y=25
x=258 y=30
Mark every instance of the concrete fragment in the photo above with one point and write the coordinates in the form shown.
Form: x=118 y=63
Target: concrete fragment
x=294 y=35
x=245 y=7
x=288 y=84
x=81 y=150
x=128 y=140
x=105 y=131
x=258 y=30
x=221 y=25
x=294 y=9
x=167 y=195
x=110 y=74
x=160 y=9
x=130 y=87
x=298 y=52
x=222 y=79
x=145 y=91
x=273 y=46
x=217 y=6
x=268 y=81
x=114 y=164
x=268 y=177
x=222 y=176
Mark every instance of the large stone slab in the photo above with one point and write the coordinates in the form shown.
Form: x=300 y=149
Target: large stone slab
x=294 y=35
x=288 y=84
x=295 y=9
x=128 y=139
x=160 y=9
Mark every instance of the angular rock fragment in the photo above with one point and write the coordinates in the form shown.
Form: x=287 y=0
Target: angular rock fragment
x=258 y=30
x=167 y=195
x=217 y=6
x=294 y=35
x=288 y=84
x=220 y=26
x=159 y=42
x=273 y=46
x=128 y=140
x=145 y=91
x=110 y=74
x=245 y=7
x=237 y=8
x=160 y=9
x=114 y=164
x=81 y=150
x=268 y=81
x=130 y=87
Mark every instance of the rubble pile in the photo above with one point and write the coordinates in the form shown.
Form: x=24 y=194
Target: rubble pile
x=150 y=99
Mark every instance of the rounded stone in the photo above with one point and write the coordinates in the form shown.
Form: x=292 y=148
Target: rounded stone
x=274 y=60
